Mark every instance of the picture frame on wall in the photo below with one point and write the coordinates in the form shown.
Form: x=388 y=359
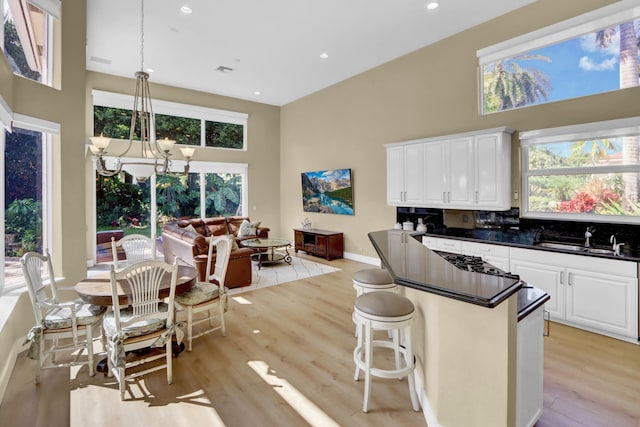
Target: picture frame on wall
x=328 y=191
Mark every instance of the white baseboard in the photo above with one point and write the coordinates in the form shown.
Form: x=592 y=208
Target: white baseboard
x=362 y=258
x=8 y=365
x=429 y=416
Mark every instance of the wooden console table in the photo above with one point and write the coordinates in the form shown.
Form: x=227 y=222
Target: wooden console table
x=322 y=243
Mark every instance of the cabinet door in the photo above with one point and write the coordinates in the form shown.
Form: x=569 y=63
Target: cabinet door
x=321 y=246
x=493 y=174
x=395 y=175
x=434 y=174
x=413 y=174
x=496 y=255
x=603 y=301
x=546 y=277
x=460 y=179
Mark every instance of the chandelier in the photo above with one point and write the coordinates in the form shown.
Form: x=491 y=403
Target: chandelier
x=154 y=155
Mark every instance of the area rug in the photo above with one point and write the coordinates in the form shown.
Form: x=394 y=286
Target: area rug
x=277 y=274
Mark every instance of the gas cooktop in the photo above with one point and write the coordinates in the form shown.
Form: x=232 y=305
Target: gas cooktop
x=474 y=264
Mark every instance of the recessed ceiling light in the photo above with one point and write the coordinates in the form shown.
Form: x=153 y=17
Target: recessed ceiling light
x=324 y=55
x=432 y=5
x=256 y=93
x=186 y=9
x=150 y=70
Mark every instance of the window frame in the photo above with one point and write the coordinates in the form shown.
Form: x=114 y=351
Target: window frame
x=50 y=129
x=588 y=131
x=117 y=100
x=611 y=15
x=51 y=8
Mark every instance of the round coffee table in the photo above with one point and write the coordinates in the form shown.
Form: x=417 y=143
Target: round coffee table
x=265 y=251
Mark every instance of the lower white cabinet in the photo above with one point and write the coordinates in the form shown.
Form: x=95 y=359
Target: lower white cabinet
x=598 y=294
x=496 y=255
x=530 y=369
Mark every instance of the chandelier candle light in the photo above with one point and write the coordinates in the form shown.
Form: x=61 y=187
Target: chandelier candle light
x=154 y=154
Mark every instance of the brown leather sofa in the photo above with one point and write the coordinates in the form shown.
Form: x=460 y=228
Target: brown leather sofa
x=192 y=246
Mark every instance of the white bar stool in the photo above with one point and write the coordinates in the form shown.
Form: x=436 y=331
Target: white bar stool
x=387 y=311
x=373 y=279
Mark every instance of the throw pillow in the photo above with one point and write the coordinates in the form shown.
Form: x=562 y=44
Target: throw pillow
x=248 y=228
x=191 y=228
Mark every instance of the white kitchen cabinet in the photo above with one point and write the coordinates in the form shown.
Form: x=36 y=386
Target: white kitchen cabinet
x=462 y=171
x=598 y=294
x=405 y=175
x=496 y=255
x=441 y=244
x=493 y=171
x=530 y=369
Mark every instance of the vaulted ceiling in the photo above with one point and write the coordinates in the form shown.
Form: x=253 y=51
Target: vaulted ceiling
x=269 y=51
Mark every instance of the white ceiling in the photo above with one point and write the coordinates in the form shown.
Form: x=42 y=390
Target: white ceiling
x=272 y=46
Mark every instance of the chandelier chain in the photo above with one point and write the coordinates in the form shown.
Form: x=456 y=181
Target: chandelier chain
x=141 y=35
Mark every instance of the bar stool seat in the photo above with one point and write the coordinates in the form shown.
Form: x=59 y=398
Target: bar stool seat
x=372 y=279
x=382 y=310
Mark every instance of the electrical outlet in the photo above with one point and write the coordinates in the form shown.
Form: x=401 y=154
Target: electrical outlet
x=516 y=195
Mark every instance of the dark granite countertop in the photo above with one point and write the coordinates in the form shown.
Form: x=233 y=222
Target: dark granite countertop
x=414 y=265
x=518 y=238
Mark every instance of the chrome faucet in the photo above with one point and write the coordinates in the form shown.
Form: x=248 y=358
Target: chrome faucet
x=587 y=236
x=615 y=245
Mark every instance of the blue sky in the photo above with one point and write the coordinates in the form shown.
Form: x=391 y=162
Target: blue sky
x=579 y=67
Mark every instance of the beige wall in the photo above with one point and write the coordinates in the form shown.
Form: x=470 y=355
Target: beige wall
x=430 y=92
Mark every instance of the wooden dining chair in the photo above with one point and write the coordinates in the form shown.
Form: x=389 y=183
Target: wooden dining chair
x=60 y=327
x=147 y=322
x=209 y=296
x=137 y=247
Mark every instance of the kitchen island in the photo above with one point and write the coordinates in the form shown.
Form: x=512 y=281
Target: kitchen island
x=466 y=334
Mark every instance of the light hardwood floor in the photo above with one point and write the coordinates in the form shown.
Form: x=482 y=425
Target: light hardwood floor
x=287 y=361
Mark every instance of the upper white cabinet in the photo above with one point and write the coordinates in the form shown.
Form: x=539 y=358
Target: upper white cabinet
x=405 y=186
x=471 y=170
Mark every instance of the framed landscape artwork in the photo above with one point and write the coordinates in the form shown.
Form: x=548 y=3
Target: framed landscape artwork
x=328 y=191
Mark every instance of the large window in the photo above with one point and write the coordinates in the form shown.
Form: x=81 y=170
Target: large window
x=210 y=189
x=592 y=53
x=26 y=165
x=28 y=37
x=588 y=171
x=186 y=124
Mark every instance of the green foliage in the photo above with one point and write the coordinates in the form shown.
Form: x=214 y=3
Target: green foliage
x=15 y=53
x=224 y=135
x=23 y=218
x=181 y=129
x=120 y=203
x=508 y=85
x=178 y=196
x=223 y=194
x=23 y=165
x=345 y=194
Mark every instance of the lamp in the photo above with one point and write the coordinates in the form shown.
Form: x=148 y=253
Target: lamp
x=154 y=155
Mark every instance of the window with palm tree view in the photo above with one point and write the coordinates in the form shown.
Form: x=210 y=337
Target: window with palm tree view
x=601 y=60
x=583 y=171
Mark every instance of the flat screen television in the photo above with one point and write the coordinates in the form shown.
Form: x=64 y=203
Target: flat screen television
x=328 y=191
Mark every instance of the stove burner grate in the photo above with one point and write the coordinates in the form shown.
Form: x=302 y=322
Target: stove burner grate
x=474 y=264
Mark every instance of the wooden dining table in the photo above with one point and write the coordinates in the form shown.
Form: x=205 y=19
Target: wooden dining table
x=97 y=289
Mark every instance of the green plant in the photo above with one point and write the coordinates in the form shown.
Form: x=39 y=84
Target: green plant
x=23 y=217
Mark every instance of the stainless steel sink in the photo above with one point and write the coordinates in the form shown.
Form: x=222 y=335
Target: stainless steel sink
x=600 y=251
x=565 y=247
x=575 y=248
